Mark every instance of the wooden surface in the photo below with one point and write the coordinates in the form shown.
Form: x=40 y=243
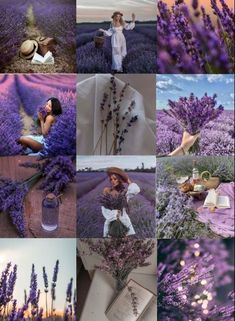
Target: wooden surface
x=9 y=167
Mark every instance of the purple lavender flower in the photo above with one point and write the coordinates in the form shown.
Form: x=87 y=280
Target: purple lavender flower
x=45 y=278
x=69 y=291
x=186 y=44
x=189 y=274
x=57 y=172
x=192 y=113
x=12 y=196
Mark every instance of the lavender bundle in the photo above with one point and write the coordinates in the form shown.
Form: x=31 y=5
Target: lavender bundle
x=189 y=41
x=112 y=117
x=113 y=202
x=189 y=274
x=12 y=195
x=57 y=173
x=120 y=257
x=193 y=113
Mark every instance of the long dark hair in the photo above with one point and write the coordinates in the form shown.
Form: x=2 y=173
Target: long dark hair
x=56 y=106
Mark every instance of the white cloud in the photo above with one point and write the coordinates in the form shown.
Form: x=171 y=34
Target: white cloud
x=167 y=85
x=229 y=80
x=214 y=78
x=232 y=95
x=194 y=78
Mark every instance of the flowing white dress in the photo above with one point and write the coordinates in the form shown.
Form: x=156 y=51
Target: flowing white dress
x=118 y=43
x=111 y=215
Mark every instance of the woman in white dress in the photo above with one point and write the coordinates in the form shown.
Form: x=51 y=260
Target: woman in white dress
x=115 y=202
x=118 y=40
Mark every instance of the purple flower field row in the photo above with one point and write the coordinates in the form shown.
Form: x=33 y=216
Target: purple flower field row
x=30 y=93
x=216 y=138
x=141 y=50
x=90 y=220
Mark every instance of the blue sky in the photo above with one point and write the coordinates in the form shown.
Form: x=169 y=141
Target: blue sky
x=174 y=86
x=41 y=252
x=94 y=11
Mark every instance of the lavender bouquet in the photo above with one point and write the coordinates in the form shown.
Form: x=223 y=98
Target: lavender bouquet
x=189 y=41
x=12 y=195
x=189 y=275
x=57 y=173
x=193 y=113
x=121 y=256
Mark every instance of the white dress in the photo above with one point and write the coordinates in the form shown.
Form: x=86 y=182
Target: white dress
x=118 y=43
x=111 y=215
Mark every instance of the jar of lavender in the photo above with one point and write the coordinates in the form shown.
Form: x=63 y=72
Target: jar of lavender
x=50 y=212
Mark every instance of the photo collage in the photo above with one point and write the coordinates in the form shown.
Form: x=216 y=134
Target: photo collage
x=117 y=160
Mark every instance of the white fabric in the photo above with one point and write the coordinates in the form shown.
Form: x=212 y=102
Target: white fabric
x=111 y=215
x=140 y=140
x=118 y=43
x=38 y=138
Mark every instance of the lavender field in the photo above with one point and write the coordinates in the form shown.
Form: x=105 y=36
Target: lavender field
x=21 y=97
x=193 y=38
x=217 y=137
x=177 y=212
x=141 y=49
x=28 y=19
x=90 y=220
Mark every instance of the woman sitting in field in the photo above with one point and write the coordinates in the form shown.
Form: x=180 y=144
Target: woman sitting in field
x=114 y=202
x=46 y=119
x=118 y=40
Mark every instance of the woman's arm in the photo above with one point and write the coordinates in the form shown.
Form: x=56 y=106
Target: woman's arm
x=132 y=190
x=108 y=32
x=131 y=25
x=45 y=126
x=187 y=142
x=109 y=215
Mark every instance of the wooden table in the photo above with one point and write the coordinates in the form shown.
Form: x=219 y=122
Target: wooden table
x=9 y=167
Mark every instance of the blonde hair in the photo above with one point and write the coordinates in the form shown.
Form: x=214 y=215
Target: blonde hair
x=122 y=22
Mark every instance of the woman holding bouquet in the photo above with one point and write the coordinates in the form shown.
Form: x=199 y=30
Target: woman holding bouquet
x=114 y=203
x=46 y=119
x=118 y=40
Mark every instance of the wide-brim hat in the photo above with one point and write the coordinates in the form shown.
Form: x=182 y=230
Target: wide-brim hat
x=116 y=13
x=28 y=48
x=118 y=171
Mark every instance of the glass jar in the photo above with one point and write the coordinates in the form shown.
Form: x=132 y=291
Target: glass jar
x=50 y=212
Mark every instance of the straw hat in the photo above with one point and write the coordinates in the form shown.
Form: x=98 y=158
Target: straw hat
x=28 y=49
x=116 y=13
x=118 y=171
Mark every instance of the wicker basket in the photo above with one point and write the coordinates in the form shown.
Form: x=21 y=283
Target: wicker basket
x=99 y=41
x=208 y=181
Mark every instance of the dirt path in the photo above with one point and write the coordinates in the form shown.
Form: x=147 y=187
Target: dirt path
x=19 y=65
x=27 y=121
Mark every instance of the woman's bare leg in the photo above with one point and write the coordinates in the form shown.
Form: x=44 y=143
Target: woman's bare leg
x=29 y=142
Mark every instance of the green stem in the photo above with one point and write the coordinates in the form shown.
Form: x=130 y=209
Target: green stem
x=32 y=180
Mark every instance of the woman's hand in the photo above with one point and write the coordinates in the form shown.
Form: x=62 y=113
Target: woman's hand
x=133 y=17
x=40 y=117
x=188 y=141
x=118 y=214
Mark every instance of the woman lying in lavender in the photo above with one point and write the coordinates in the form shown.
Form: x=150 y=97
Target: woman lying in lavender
x=114 y=201
x=46 y=119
